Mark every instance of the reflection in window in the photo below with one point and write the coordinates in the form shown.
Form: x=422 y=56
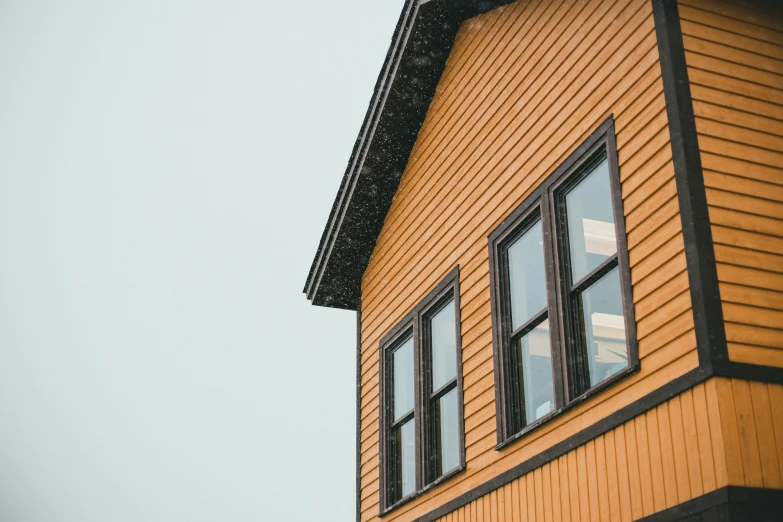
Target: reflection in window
x=603 y=334
x=403 y=433
x=404 y=443
x=531 y=353
x=562 y=315
x=600 y=324
x=445 y=433
x=526 y=276
x=534 y=359
x=422 y=433
x=442 y=341
x=403 y=379
x=444 y=346
x=591 y=231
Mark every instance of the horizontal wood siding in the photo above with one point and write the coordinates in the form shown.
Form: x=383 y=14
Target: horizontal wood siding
x=735 y=64
x=669 y=455
x=524 y=86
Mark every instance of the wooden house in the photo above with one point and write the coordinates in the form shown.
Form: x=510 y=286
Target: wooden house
x=562 y=229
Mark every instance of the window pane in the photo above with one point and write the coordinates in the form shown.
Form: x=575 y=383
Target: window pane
x=603 y=327
x=403 y=379
x=405 y=451
x=534 y=365
x=443 y=346
x=591 y=231
x=446 y=435
x=527 y=280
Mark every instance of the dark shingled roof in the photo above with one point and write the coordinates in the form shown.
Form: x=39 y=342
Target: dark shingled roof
x=417 y=56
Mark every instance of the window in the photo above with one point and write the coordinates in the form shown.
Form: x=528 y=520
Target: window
x=561 y=295
x=422 y=437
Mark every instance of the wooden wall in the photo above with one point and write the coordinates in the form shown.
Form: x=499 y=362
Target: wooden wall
x=524 y=85
x=735 y=64
x=752 y=424
x=669 y=455
x=722 y=432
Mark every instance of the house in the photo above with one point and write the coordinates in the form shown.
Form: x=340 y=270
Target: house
x=561 y=227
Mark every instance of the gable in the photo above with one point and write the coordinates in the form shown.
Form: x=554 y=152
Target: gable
x=524 y=87
x=414 y=64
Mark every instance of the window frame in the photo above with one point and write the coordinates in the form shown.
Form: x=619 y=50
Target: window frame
x=415 y=324
x=547 y=204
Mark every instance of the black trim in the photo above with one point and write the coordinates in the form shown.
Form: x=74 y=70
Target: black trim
x=546 y=205
x=691 y=193
x=414 y=325
x=420 y=46
x=358 y=414
x=750 y=372
x=730 y=504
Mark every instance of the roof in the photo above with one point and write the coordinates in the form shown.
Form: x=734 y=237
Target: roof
x=415 y=61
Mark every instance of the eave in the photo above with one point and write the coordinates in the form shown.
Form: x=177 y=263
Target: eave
x=415 y=61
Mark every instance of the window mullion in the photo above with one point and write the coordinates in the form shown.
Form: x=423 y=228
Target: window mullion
x=506 y=366
x=514 y=404
x=554 y=301
x=420 y=416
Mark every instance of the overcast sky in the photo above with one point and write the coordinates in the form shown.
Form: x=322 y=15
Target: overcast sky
x=166 y=170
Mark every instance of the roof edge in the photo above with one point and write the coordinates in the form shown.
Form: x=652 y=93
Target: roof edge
x=406 y=84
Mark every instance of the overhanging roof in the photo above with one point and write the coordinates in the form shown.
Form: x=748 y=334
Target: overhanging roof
x=414 y=63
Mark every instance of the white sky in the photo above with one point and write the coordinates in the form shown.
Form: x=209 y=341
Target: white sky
x=166 y=170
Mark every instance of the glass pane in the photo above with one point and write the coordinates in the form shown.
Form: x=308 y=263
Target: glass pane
x=403 y=379
x=446 y=434
x=591 y=222
x=405 y=440
x=534 y=365
x=444 y=346
x=603 y=327
x=527 y=280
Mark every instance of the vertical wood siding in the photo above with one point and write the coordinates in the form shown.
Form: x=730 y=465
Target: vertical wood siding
x=752 y=424
x=524 y=86
x=735 y=64
x=722 y=432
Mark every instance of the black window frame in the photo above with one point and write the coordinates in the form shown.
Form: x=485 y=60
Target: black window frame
x=416 y=325
x=547 y=205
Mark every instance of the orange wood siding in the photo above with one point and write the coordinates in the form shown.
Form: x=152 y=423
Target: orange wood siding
x=752 y=425
x=735 y=64
x=721 y=432
x=524 y=86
